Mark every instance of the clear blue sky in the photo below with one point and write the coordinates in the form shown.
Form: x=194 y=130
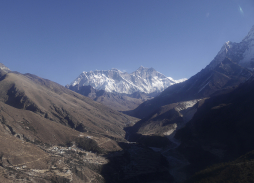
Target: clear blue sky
x=58 y=39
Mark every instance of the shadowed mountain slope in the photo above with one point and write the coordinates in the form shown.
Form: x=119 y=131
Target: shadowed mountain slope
x=224 y=77
x=240 y=170
x=221 y=74
x=221 y=130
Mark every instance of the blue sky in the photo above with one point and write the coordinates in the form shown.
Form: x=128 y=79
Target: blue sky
x=59 y=39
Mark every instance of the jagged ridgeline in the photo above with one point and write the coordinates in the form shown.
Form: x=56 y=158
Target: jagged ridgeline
x=204 y=120
x=119 y=90
x=146 y=80
x=49 y=133
x=231 y=66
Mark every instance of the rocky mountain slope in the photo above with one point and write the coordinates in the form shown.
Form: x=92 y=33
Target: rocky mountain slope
x=146 y=80
x=58 y=104
x=202 y=133
x=116 y=101
x=50 y=134
x=205 y=119
x=221 y=129
x=232 y=65
x=224 y=77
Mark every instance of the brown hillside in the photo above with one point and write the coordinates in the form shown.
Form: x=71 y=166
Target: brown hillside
x=51 y=134
x=60 y=105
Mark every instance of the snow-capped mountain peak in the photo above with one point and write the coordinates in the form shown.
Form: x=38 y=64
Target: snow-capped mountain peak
x=241 y=53
x=146 y=80
x=3 y=67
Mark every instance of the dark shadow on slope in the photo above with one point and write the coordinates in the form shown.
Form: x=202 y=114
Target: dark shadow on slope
x=205 y=83
x=88 y=144
x=136 y=164
x=221 y=130
x=18 y=99
x=239 y=170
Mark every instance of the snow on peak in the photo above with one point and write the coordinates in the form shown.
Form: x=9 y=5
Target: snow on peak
x=3 y=67
x=146 y=80
x=241 y=53
x=180 y=80
x=226 y=47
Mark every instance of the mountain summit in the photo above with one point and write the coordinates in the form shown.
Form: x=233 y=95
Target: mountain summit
x=3 y=67
x=241 y=53
x=233 y=65
x=146 y=80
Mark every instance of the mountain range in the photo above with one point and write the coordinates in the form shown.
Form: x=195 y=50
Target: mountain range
x=227 y=70
x=43 y=126
x=200 y=135
x=50 y=134
x=119 y=90
x=198 y=130
x=146 y=80
x=224 y=77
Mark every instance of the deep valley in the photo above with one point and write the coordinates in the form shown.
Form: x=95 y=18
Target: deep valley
x=131 y=128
